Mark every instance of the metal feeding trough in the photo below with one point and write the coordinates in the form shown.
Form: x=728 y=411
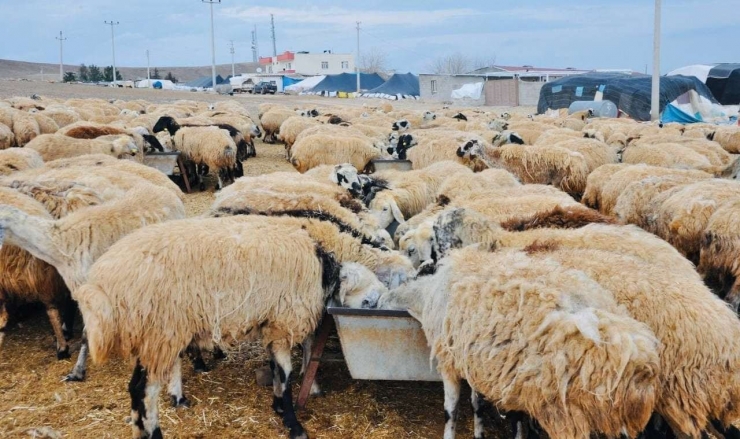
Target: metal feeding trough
x=384 y=165
x=383 y=345
x=162 y=161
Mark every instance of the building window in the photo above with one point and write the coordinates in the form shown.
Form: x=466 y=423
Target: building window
x=345 y=64
x=269 y=69
x=324 y=65
x=434 y=86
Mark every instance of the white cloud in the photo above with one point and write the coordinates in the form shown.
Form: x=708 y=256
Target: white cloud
x=337 y=15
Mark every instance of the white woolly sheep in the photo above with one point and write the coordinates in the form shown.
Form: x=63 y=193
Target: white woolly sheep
x=209 y=146
x=7 y=138
x=316 y=150
x=52 y=146
x=265 y=259
x=488 y=317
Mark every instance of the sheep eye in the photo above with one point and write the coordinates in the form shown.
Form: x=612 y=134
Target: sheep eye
x=385 y=209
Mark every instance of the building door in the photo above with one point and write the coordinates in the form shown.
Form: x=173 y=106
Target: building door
x=502 y=93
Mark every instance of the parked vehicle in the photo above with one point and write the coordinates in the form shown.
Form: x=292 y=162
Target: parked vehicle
x=265 y=87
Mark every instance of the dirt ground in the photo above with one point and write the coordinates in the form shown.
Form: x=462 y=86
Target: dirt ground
x=227 y=402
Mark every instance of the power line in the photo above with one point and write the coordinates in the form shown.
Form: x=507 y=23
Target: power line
x=213 y=43
x=61 y=56
x=113 y=43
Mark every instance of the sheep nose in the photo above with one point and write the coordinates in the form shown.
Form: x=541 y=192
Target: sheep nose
x=371 y=300
x=460 y=152
x=356 y=188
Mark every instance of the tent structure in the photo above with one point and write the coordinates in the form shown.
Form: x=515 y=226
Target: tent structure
x=305 y=85
x=347 y=82
x=631 y=93
x=156 y=83
x=288 y=81
x=400 y=85
x=722 y=79
x=204 y=82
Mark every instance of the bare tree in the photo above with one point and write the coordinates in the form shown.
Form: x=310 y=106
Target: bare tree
x=457 y=63
x=374 y=60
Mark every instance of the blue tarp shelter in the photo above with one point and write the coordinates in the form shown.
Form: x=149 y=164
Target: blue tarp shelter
x=347 y=82
x=632 y=94
x=205 y=82
x=288 y=81
x=405 y=84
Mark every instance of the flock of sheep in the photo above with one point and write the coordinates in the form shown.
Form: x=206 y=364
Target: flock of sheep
x=571 y=269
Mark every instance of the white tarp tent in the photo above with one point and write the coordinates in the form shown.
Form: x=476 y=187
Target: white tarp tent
x=149 y=83
x=305 y=85
x=699 y=70
x=472 y=91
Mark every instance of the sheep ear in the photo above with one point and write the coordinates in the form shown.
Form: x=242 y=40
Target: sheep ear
x=397 y=213
x=112 y=148
x=710 y=136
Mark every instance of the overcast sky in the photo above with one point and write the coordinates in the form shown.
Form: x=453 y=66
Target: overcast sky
x=566 y=33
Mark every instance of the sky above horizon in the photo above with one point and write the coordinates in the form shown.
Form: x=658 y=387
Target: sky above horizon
x=598 y=34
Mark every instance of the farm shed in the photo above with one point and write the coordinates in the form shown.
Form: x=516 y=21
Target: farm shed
x=631 y=93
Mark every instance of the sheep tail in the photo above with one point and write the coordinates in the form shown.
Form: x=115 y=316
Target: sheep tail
x=99 y=316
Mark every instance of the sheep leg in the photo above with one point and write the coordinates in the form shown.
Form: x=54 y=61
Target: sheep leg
x=144 y=410
x=78 y=372
x=519 y=425
x=733 y=297
x=307 y=346
x=69 y=313
x=730 y=432
x=174 y=388
x=55 y=318
x=281 y=354
x=3 y=319
x=452 y=396
x=277 y=402
x=475 y=400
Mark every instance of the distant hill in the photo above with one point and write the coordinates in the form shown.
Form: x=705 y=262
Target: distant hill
x=10 y=69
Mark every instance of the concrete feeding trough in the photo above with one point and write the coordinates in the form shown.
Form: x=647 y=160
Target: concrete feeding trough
x=164 y=162
x=378 y=165
x=384 y=345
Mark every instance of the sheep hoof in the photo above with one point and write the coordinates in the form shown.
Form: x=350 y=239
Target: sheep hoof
x=179 y=402
x=74 y=378
x=63 y=354
x=298 y=433
x=277 y=405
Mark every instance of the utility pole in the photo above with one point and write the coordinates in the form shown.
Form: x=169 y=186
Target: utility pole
x=213 y=43
x=148 y=76
x=655 y=100
x=255 y=53
x=113 y=43
x=357 y=61
x=61 y=56
x=274 y=45
x=231 y=49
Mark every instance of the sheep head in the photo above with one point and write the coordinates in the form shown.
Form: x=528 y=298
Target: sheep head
x=405 y=142
x=428 y=115
x=401 y=125
x=498 y=125
x=166 y=123
x=254 y=130
x=507 y=137
x=346 y=176
x=122 y=147
x=471 y=149
x=359 y=287
x=452 y=227
x=418 y=244
x=385 y=209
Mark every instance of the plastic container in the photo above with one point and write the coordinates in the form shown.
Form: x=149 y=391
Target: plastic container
x=600 y=108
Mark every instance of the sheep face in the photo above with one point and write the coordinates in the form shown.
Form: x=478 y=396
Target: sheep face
x=385 y=209
x=393 y=139
x=447 y=230
x=498 y=125
x=505 y=116
x=345 y=175
x=507 y=137
x=405 y=142
x=401 y=125
x=254 y=130
x=428 y=115
x=359 y=287
x=471 y=149
x=123 y=147
x=418 y=245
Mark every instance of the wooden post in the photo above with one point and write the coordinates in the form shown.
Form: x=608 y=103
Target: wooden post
x=183 y=173
x=322 y=334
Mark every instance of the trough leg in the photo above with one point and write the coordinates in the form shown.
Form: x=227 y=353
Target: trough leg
x=281 y=354
x=184 y=173
x=144 y=410
x=78 y=372
x=451 y=386
x=327 y=323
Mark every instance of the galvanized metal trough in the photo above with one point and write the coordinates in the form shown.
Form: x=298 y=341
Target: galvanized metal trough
x=383 y=345
x=378 y=165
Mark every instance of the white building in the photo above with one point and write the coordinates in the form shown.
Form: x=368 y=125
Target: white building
x=309 y=64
